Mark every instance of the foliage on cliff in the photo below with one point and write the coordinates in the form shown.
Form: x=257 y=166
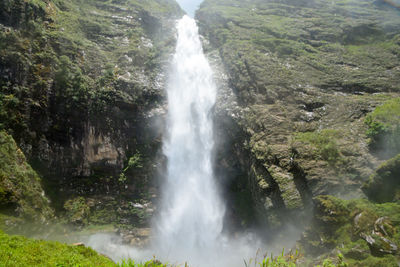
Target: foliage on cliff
x=62 y=59
x=384 y=184
x=21 y=192
x=384 y=128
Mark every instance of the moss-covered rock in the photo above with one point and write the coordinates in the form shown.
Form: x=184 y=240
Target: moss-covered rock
x=323 y=144
x=384 y=128
x=384 y=184
x=365 y=233
x=330 y=211
x=21 y=192
x=77 y=210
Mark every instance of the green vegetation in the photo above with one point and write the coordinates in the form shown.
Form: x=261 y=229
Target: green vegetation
x=292 y=260
x=21 y=251
x=101 y=210
x=365 y=233
x=77 y=211
x=323 y=144
x=72 y=47
x=151 y=263
x=18 y=251
x=384 y=128
x=329 y=263
x=21 y=193
x=134 y=162
x=276 y=261
x=384 y=184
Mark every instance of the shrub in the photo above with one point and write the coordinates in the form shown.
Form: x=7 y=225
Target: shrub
x=20 y=185
x=384 y=184
x=77 y=210
x=134 y=162
x=324 y=143
x=384 y=128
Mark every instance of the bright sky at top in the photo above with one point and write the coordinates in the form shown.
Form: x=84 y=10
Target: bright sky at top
x=189 y=6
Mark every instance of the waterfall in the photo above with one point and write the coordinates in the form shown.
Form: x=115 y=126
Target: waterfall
x=191 y=215
x=188 y=227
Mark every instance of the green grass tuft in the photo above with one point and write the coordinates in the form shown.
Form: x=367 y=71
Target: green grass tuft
x=20 y=251
x=384 y=128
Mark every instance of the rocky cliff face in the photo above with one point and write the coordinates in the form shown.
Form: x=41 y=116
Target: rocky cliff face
x=82 y=95
x=298 y=80
x=21 y=192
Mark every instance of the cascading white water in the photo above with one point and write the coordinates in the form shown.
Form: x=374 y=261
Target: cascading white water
x=192 y=212
x=188 y=228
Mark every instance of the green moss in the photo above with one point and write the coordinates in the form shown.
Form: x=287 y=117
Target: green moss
x=134 y=163
x=103 y=216
x=20 y=185
x=331 y=210
x=370 y=261
x=323 y=143
x=384 y=184
x=77 y=211
x=287 y=188
x=342 y=224
x=384 y=128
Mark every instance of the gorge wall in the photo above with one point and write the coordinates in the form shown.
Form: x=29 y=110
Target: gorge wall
x=82 y=94
x=300 y=79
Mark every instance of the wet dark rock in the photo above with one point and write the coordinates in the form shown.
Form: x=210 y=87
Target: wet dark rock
x=137 y=237
x=384 y=183
x=357 y=253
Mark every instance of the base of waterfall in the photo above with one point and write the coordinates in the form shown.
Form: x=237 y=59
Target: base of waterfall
x=227 y=252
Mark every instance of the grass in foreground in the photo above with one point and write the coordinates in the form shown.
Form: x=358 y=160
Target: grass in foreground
x=21 y=251
x=291 y=259
x=18 y=251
